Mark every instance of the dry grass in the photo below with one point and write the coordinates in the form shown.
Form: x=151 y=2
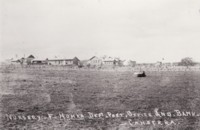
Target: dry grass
x=41 y=91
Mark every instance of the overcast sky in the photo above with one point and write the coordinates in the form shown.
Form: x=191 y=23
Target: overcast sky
x=141 y=30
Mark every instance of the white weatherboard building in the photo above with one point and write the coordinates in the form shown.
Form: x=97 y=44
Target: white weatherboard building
x=74 y=61
x=105 y=61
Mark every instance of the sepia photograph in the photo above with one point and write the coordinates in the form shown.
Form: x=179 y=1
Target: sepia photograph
x=99 y=65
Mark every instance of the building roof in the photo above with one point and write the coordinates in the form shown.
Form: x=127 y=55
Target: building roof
x=60 y=59
x=93 y=57
x=31 y=56
x=109 y=59
x=39 y=60
x=76 y=58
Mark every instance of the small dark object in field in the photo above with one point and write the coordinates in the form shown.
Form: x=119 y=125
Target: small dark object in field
x=24 y=80
x=142 y=74
x=20 y=110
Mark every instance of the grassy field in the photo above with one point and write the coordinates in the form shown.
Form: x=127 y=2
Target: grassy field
x=39 y=92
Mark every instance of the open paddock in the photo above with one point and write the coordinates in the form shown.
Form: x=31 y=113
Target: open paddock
x=74 y=92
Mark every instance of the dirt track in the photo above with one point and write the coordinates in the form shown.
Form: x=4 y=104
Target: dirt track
x=28 y=91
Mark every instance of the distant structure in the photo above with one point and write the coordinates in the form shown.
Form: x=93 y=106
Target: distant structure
x=104 y=61
x=29 y=59
x=129 y=63
x=24 y=61
x=40 y=62
x=110 y=61
x=95 y=61
x=70 y=62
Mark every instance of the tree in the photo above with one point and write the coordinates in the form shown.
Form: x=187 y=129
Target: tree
x=187 y=61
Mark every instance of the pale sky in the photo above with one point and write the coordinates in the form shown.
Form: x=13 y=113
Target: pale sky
x=141 y=30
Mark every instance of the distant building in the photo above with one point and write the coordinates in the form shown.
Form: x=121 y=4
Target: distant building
x=130 y=63
x=70 y=62
x=21 y=61
x=95 y=61
x=39 y=62
x=104 y=61
x=109 y=61
x=14 y=61
x=24 y=61
x=29 y=59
